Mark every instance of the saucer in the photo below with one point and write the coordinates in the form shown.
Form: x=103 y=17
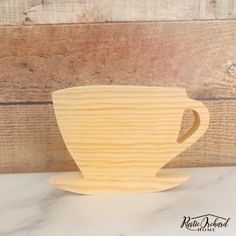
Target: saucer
x=78 y=184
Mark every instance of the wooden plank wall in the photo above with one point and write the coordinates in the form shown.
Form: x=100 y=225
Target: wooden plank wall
x=17 y=12
x=35 y=60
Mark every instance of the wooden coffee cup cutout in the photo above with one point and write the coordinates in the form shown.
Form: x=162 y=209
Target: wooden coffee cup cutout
x=121 y=136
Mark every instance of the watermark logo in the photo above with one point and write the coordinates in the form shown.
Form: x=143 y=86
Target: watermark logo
x=204 y=223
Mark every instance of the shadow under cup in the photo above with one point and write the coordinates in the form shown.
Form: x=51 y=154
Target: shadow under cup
x=122 y=132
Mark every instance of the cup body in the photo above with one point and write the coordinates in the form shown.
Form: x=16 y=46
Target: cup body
x=120 y=131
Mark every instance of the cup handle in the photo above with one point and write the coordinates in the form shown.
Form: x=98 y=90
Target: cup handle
x=200 y=125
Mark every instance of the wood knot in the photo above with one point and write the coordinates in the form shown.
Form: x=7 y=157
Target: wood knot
x=213 y=7
x=212 y=4
x=230 y=68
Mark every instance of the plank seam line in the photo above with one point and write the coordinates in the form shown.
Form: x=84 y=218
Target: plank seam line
x=50 y=102
x=119 y=22
x=24 y=103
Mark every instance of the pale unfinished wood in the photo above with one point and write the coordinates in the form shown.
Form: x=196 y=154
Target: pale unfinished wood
x=79 y=184
x=121 y=136
x=197 y=56
x=28 y=12
x=30 y=140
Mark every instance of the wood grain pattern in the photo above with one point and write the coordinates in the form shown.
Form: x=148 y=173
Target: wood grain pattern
x=28 y=12
x=197 y=56
x=30 y=139
x=78 y=184
x=121 y=136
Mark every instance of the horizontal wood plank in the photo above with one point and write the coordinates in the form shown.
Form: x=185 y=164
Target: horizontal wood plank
x=30 y=140
x=28 y=12
x=198 y=56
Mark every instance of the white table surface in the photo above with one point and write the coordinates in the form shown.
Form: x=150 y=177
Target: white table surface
x=29 y=205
